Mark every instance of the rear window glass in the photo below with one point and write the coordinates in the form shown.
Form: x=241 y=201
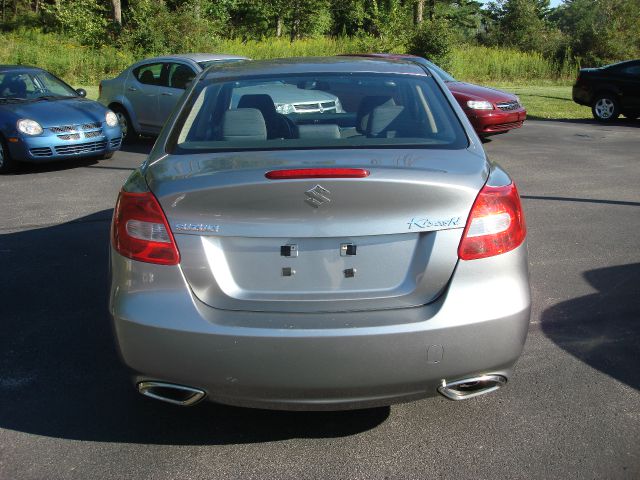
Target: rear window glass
x=317 y=111
x=149 y=74
x=219 y=63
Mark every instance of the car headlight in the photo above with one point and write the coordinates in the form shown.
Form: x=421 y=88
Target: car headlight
x=284 y=108
x=29 y=127
x=111 y=119
x=479 y=105
x=339 y=108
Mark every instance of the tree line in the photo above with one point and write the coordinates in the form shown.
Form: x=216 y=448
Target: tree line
x=589 y=31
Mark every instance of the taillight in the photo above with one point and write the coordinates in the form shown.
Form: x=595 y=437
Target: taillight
x=294 y=173
x=140 y=230
x=495 y=225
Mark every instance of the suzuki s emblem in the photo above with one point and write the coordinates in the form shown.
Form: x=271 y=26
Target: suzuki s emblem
x=317 y=196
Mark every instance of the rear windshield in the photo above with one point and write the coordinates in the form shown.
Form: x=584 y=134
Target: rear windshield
x=208 y=63
x=317 y=111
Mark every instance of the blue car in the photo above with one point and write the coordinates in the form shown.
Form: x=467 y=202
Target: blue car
x=43 y=119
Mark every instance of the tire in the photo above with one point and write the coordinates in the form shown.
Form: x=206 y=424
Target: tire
x=7 y=164
x=107 y=155
x=605 y=108
x=128 y=132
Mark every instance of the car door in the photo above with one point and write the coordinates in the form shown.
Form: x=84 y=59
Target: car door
x=178 y=75
x=630 y=84
x=143 y=89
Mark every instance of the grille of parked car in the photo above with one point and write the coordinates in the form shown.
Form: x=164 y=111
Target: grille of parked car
x=507 y=106
x=41 y=152
x=63 y=129
x=314 y=107
x=72 y=132
x=94 y=133
x=69 y=136
x=115 y=142
x=81 y=148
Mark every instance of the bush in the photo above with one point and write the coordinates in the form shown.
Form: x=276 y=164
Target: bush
x=82 y=20
x=433 y=40
x=151 y=29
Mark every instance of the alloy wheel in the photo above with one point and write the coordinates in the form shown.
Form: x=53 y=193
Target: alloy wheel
x=124 y=123
x=604 y=108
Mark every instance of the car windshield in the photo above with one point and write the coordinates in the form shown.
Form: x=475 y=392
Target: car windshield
x=317 y=111
x=208 y=63
x=33 y=85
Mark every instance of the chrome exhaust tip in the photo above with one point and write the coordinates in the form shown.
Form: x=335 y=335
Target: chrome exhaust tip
x=171 y=393
x=471 y=387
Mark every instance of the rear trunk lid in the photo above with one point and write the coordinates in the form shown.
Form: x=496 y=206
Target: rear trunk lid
x=323 y=244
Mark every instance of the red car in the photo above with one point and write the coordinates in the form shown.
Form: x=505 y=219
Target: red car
x=490 y=111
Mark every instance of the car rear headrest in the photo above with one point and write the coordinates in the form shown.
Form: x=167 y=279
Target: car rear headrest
x=367 y=104
x=243 y=124
x=181 y=77
x=319 y=131
x=147 y=77
x=384 y=121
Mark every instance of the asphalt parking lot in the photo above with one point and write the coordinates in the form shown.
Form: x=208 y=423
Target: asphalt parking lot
x=572 y=410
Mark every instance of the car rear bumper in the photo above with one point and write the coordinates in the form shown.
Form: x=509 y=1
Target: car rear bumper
x=581 y=95
x=487 y=122
x=49 y=147
x=270 y=360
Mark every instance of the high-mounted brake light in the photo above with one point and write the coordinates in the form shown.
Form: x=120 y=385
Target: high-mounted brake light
x=496 y=224
x=317 y=173
x=140 y=230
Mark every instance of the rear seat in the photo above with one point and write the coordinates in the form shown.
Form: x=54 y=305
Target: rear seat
x=245 y=124
x=330 y=131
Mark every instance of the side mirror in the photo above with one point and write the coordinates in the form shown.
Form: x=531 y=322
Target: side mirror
x=82 y=92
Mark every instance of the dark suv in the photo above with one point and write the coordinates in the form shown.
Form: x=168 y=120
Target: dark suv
x=610 y=90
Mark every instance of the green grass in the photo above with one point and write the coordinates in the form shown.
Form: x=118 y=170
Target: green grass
x=92 y=91
x=547 y=101
x=491 y=64
x=83 y=65
x=64 y=57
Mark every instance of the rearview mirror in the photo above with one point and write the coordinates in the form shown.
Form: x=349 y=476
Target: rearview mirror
x=82 y=92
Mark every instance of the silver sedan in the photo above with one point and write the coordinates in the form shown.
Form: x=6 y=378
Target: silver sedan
x=144 y=94
x=326 y=260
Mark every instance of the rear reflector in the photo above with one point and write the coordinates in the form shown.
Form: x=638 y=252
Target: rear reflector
x=317 y=173
x=495 y=225
x=140 y=230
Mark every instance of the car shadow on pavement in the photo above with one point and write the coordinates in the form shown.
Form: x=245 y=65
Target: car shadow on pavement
x=625 y=122
x=142 y=145
x=602 y=329
x=60 y=374
x=27 y=168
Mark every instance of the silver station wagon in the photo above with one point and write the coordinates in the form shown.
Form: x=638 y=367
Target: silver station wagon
x=341 y=258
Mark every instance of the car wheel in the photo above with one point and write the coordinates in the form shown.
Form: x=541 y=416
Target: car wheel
x=107 y=155
x=6 y=162
x=128 y=132
x=605 y=108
